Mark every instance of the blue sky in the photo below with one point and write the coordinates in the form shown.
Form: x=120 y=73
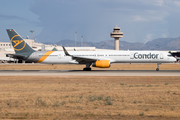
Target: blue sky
x=55 y=20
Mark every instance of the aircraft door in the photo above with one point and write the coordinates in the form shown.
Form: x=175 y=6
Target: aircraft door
x=59 y=56
x=161 y=56
x=33 y=55
x=132 y=55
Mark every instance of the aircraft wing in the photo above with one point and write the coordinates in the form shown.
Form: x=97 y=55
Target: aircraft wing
x=15 y=56
x=80 y=60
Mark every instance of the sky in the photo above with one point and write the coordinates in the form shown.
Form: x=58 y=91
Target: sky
x=55 y=20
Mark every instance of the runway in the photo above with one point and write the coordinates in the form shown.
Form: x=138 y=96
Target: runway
x=89 y=73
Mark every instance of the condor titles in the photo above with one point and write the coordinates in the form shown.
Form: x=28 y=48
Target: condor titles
x=145 y=56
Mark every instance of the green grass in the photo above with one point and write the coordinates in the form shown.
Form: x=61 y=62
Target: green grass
x=166 y=84
x=141 y=114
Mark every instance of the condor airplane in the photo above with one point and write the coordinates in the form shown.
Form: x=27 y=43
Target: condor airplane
x=102 y=59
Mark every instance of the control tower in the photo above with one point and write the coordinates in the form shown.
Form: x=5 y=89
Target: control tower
x=116 y=34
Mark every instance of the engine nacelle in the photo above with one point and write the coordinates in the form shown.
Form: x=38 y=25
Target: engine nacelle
x=102 y=64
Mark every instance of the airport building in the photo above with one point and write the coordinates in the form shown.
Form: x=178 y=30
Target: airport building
x=116 y=34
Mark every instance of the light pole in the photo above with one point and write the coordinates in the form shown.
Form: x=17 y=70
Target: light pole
x=157 y=47
x=32 y=33
x=81 y=41
x=75 y=38
x=102 y=46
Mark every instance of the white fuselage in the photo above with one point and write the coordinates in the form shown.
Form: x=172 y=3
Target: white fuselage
x=58 y=57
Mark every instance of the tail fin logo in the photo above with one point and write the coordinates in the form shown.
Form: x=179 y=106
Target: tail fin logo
x=17 y=44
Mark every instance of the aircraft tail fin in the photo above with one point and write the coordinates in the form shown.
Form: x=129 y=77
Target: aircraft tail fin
x=19 y=45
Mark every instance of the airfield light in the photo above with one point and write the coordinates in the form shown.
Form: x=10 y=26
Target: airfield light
x=32 y=33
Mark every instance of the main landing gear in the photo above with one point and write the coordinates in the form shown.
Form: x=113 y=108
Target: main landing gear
x=87 y=68
x=157 y=69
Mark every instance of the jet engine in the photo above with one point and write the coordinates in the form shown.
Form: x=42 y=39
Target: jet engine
x=102 y=64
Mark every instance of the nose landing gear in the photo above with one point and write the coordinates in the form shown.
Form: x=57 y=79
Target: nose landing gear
x=157 y=69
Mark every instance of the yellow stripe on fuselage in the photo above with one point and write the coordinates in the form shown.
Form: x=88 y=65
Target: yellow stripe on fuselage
x=45 y=56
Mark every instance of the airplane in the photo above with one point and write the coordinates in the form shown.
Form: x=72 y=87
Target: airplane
x=101 y=59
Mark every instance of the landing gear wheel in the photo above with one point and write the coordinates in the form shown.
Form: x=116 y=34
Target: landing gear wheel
x=157 y=69
x=87 y=69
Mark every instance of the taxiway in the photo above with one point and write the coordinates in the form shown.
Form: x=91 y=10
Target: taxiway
x=89 y=73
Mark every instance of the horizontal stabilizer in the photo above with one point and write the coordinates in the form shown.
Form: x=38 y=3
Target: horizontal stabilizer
x=15 y=56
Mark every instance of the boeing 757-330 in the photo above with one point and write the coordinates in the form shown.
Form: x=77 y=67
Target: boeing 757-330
x=101 y=59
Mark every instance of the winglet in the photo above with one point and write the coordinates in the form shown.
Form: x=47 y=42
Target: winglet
x=65 y=51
